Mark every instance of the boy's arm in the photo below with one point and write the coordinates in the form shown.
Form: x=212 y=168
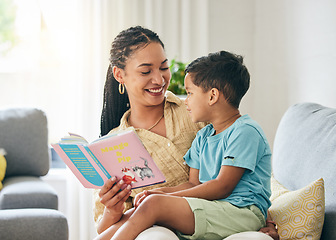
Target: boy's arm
x=193 y=181
x=219 y=188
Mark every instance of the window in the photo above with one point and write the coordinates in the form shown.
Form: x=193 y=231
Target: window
x=38 y=63
x=19 y=35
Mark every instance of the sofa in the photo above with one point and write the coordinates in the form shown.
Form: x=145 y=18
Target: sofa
x=304 y=162
x=28 y=205
x=304 y=171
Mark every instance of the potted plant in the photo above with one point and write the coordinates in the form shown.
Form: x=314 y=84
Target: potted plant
x=177 y=80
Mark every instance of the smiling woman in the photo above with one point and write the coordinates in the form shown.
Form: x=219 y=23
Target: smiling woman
x=159 y=117
x=146 y=77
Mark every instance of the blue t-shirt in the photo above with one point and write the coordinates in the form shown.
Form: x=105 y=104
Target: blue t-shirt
x=243 y=145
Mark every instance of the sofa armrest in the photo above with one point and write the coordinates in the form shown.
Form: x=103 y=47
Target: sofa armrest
x=27 y=192
x=33 y=224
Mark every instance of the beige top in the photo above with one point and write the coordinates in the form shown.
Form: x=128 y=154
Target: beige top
x=167 y=151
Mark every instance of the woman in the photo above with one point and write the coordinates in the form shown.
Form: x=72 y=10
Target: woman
x=135 y=94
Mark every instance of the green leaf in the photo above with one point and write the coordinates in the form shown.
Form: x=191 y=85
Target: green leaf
x=177 y=80
x=8 y=36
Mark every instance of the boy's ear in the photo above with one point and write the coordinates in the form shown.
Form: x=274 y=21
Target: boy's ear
x=118 y=74
x=213 y=96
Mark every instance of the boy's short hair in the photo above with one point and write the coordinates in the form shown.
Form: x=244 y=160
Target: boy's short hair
x=224 y=71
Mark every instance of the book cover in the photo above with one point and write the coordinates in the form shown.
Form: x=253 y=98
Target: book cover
x=121 y=154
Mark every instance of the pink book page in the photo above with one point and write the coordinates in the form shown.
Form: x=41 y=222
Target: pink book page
x=125 y=156
x=81 y=164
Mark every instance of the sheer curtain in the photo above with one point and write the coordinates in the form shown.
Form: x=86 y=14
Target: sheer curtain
x=76 y=28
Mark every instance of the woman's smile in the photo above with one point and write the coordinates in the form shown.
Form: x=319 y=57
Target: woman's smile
x=156 y=91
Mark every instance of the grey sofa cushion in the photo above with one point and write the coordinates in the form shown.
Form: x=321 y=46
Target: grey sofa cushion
x=24 y=136
x=33 y=224
x=305 y=150
x=27 y=192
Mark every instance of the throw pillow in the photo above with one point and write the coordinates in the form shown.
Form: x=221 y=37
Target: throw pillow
x=3 y=165
x=298 y=214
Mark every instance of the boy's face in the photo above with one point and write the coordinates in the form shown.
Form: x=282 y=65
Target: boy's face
x=196 y=101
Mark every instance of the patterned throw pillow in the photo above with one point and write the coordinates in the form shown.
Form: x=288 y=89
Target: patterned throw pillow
x=298 y=214
x=3 y=165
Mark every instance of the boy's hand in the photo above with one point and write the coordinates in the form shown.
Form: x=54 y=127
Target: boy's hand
x=141 y=196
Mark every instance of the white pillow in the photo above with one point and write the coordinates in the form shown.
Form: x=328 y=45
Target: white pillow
x=157 y=233
x=249 y=236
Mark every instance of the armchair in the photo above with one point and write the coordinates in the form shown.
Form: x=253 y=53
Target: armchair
x=28 y=205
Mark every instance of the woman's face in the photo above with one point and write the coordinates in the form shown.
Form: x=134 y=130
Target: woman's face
x=147 y=75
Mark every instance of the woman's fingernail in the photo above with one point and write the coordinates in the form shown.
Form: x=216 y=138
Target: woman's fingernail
x=121 y=182
x=129 y=187
x=113 y=178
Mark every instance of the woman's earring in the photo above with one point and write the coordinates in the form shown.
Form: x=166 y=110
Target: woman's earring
x=121 y=88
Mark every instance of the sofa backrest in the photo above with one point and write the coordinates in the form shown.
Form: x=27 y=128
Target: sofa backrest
x=24 y=136
x=305 y=150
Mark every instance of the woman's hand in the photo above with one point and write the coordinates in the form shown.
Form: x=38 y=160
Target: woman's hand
x=113 y=195
x=271 y=228
x=271 y=231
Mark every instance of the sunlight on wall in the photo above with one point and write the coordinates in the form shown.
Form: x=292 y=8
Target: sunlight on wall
x=55 y=67
x=41 y=70
x=23 y=56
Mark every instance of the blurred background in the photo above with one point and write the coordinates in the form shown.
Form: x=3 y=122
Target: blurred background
x=54 y=56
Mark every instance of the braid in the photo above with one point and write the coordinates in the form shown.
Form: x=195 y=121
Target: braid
x=112 y=113
x=123 y=46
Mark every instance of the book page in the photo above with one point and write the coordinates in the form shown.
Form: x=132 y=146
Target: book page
x=125 y=156
x=81 y=164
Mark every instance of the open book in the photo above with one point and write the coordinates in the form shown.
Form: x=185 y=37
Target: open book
x=121 y=154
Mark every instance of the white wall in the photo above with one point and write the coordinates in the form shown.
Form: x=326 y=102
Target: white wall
x=289 y=48
x=295 y=57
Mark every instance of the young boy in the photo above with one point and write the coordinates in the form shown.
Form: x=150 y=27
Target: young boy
x=230 y=162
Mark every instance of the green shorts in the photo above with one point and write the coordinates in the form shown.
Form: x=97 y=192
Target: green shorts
x=220 y=219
